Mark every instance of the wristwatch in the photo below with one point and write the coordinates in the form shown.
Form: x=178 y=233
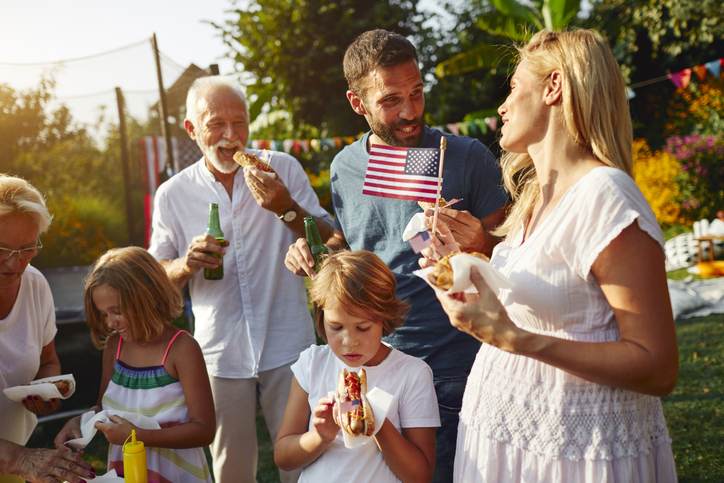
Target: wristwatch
x=288 y=216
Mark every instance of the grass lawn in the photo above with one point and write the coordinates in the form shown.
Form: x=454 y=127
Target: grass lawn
x=694 y=411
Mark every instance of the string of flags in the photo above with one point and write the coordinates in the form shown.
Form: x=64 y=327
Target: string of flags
x=473 y=128
x=682 y=78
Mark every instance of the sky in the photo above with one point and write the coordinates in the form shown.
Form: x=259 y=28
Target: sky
x=36 y=34
x=45 y=31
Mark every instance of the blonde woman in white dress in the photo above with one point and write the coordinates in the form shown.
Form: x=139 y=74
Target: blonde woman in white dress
x=567 y=383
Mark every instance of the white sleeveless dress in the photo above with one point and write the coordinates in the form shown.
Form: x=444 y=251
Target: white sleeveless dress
x=526 y=421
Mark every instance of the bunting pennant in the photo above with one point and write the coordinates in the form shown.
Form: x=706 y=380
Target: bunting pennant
x=700 y=71
x=681 y=79
x=473 y=127
x=714 y=67
x=492 y=123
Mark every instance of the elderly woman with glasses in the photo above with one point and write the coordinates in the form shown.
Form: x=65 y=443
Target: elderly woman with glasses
x=27 y=330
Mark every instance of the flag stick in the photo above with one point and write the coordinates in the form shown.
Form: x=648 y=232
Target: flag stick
x=443 y=146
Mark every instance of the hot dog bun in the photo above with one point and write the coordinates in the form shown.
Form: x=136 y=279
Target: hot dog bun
x=245 y=158
x=359 y=420
x=442 y=274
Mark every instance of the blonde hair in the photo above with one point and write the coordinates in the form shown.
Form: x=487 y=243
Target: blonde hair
x=594 y=104
x=361 y=283
x=148 y=299
x=19 y=196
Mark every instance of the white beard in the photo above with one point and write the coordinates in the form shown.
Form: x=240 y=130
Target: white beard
x=211 y=154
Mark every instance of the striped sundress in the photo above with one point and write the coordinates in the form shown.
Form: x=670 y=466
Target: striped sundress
x=152 y=391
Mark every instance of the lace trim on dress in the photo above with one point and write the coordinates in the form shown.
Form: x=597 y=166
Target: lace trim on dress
x=572 y=421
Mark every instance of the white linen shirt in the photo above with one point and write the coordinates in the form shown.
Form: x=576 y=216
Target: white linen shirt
x=256 y=318
x=28 y=328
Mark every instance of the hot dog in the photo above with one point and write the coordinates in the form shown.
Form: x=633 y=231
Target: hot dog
x=63 y=387
x=442 y=274
x=245 y=158
x=352 y=387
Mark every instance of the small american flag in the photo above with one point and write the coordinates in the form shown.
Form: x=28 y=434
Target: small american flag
x=402 y=173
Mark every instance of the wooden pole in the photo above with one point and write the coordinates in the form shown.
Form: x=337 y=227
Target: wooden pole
x=443 y=146
x=125 y=162
x=214 y=69
x=163 y=111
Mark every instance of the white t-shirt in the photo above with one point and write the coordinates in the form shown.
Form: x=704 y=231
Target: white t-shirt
x=28 y=328
x=408 y=379
x=256 y=318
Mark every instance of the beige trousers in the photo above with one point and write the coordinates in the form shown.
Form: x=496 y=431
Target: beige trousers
x=235 y=450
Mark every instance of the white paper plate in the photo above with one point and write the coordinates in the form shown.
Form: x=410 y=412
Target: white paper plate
x=42 y=388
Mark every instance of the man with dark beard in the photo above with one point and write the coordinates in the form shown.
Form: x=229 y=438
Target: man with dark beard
x=253 y=323
x=386 y=88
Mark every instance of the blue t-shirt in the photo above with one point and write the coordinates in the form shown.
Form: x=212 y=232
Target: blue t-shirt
x=373 y=223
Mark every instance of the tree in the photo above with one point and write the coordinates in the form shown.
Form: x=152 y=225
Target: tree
x=291 y=54
x=509 y=21
x=653 y=37
x=81 y=182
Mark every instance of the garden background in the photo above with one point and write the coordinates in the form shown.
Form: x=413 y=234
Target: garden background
x=288 y=55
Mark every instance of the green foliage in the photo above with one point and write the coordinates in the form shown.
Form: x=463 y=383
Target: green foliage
x=694 y=411
x=83 y=228
x=82 y=183
x=697 y=109
x=657 y=37
x=291 y=54
x=509 y=21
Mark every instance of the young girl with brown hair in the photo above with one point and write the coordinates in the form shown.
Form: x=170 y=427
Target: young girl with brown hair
x=149 y=367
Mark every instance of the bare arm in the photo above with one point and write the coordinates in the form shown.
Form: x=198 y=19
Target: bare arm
x=631 y=274
x=410 y=455
x=49 y=362
x=49 y=366
x=296 y=446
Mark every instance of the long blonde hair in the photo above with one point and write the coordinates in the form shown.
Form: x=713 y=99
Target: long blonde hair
x=595 y=110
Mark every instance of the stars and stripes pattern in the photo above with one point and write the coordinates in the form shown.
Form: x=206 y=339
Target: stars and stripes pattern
x=402 y=173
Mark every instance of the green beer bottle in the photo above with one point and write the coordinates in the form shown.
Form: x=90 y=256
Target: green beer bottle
x=214 y=229
x=314 y=240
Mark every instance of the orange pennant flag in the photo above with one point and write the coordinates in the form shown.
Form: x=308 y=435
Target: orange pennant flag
x=700 y=71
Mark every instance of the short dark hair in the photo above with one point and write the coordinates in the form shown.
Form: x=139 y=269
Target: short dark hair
x=372 y=49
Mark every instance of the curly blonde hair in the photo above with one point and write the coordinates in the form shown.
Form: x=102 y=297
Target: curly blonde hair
x=361 y=283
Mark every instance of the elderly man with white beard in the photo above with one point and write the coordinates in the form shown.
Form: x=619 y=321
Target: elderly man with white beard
x=253 y=323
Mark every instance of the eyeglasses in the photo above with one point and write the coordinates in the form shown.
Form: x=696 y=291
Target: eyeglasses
x=21 y=253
